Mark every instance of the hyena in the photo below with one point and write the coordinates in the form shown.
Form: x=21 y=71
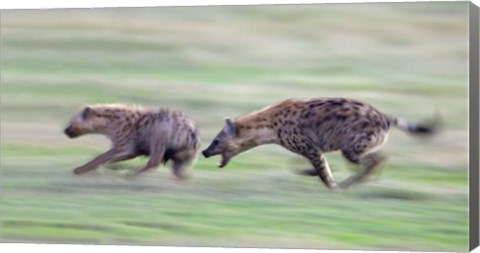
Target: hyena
x=312 y=127
x=162 y=134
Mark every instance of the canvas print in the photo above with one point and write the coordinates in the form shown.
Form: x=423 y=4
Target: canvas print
x=322 y=126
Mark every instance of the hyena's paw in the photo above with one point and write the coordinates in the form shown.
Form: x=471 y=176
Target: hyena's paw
x=182 y=176
x=133 y=173
x=346 y=184
x=307 y=172
x=355 y=180
x=336 y=187
x=81 y=170
x=332 y=186
x=114 y=167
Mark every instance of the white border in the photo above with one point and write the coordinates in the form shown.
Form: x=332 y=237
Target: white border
x=48 y=4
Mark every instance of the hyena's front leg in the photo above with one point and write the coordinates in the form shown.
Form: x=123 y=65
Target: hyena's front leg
x=99 y=160
x=370 y=164
x=111 y=164
x=320 y=164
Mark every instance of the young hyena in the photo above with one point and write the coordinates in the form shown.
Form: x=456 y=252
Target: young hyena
x=161 y=134
x=312 y=127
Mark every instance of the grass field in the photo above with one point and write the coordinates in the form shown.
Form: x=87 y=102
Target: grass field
x=406 y=59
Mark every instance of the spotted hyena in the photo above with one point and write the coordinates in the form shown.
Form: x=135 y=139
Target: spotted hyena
x=161 y=134
x=312 y=127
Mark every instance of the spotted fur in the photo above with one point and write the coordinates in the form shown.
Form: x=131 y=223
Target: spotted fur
x=312 y=127
x=162 y=134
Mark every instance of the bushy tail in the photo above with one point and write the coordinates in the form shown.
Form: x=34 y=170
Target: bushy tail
x=426 y=128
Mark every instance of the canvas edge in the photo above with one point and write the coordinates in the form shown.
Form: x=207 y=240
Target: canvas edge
x=474 y=120
x=474 y=125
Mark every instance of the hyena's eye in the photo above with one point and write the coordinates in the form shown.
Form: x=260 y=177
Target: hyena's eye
x=215 y=142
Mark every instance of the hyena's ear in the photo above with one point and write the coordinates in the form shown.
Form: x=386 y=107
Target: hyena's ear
x=231 y=129
x=86 y=112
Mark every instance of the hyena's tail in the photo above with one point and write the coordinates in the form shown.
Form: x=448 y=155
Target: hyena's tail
x=424 y=129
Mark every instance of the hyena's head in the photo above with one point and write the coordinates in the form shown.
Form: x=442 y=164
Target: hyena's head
x=227 y=143
x=83 y=122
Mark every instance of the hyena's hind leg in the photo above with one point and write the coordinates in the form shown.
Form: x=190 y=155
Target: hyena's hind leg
x=362 y=152
x=181 y=161
x=320 y=164
x=369 y=162
x=157 y=153
x=178 y=169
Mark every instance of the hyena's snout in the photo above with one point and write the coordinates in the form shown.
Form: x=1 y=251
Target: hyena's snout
x=70 y=132
x=211 y=150
x=205 y=153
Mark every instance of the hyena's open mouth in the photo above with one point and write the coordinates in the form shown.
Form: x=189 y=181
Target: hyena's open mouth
x=224 y=161
x=225 y=157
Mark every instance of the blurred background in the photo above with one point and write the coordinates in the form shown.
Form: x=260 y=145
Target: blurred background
x=406 y=59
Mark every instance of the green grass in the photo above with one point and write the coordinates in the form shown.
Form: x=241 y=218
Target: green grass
x=216 y=208
x=229 y=61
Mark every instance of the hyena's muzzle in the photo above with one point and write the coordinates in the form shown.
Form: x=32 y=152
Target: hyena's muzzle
x=210 y=151
x=70 y=132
